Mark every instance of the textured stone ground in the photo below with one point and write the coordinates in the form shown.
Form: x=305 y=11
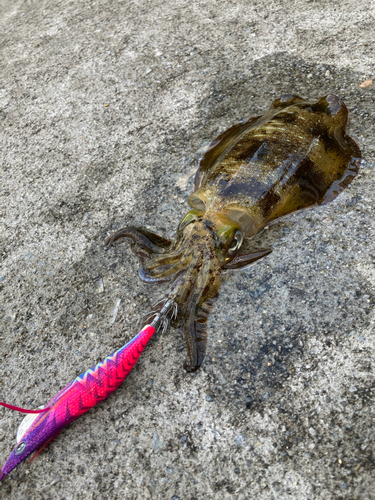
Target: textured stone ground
x=104 y=108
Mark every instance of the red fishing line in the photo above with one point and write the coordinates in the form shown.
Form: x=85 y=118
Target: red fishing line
x=23 y=410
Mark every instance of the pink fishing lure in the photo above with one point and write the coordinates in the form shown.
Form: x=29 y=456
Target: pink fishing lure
x=83 y=393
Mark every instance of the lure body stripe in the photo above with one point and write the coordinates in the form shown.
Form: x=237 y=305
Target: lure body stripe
x=83 y=393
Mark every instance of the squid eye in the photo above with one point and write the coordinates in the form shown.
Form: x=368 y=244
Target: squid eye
x=236 y=243
x=20 y=448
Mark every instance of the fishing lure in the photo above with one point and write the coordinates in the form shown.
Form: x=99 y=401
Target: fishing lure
x=83 y=393
x=295 y=156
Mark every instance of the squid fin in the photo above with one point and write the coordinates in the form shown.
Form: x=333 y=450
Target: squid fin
x=286 y=100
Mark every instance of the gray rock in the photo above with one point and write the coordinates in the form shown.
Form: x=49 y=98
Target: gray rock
x=156 y=443
x=239 y=440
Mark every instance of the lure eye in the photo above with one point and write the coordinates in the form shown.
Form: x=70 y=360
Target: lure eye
x=20 y=448
x=236 y=243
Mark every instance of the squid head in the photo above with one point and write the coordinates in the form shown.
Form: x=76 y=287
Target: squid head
x=204 y=245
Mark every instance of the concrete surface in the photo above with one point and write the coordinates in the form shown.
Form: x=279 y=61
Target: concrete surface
x=105 y=107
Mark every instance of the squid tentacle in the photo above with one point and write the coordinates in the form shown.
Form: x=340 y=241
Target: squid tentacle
x=167 y=260
x=174 y=254
x=144 y=242
x=146 y=278
x=194 y=316
x=189 y=280
x=169 y=271
x=160 y=304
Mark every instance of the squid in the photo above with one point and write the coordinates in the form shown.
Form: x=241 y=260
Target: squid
x=297 y=155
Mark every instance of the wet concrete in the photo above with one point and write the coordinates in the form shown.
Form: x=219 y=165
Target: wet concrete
x=105 y=108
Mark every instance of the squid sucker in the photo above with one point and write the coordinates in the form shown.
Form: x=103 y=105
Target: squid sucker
x=295 y=156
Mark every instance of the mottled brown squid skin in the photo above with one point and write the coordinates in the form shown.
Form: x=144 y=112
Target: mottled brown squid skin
x=294 y=156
